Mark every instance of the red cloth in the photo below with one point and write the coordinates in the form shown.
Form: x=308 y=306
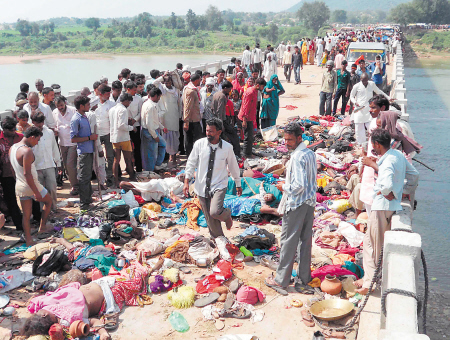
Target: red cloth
x=208 y=284
x=320 y=198
x=229 y=110
x=56 y=332
x=250 y=295
x=331 y=270
x=249 y=102
x=139 y=199
x=6 y=169
x=345 y=248
x=238 y=86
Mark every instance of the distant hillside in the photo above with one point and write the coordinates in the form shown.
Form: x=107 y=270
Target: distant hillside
x=354 y=5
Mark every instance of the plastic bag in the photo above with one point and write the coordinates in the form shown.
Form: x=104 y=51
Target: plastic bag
x=353 y=236
x=130 y=200
x=270 y=134
x=339 y=205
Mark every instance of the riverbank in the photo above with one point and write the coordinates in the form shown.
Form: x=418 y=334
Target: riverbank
x=17 y=59
x=427 y=44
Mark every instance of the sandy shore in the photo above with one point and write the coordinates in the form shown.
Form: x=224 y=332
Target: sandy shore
x=17 y=59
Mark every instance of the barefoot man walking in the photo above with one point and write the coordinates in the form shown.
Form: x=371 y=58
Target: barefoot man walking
x=27 y=184
x=213 y=158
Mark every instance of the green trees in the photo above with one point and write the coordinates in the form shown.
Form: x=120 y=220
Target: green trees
x=24 y=27
x=314 y=14
x=109 y=34
x=214 y=17
x=192 y=23
x=428 y=11
x=339 y=15
x=93 y=23
x=272 y=34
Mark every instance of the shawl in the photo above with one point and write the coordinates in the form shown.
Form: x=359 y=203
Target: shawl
x=389 y=123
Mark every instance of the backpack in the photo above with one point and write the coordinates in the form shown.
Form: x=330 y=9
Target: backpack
x=55 y=263
x=119 y=213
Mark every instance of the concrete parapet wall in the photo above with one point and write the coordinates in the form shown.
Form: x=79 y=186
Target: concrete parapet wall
x=402 y=251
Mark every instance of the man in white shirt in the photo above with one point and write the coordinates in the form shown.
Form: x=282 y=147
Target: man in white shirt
x=247 y=59
x=270 y=68
x=103 y=130
x=257 y=59
x=287 y=63
x=35 y=106
x=134 y=112
x=361 y=93
x=389 y=190
x=116 y=91
x=153 y=144
x=213 y=158
x=281 y=49
x=63 y=115
x=47 y=157
x=120 y=127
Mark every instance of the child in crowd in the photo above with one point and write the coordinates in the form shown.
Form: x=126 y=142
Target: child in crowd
x=22 y=118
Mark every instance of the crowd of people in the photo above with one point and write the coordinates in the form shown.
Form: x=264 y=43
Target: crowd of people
x=206 y=117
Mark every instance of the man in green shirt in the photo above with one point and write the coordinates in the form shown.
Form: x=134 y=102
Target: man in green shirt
x=343 y=88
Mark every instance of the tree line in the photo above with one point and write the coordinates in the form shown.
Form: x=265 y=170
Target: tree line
x=436 y=12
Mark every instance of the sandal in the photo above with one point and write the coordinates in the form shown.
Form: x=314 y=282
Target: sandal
x=237 y=313
x=200 y=278
x=329 y=333
x=111 y=321
x=307 y=318
x=276 y=287
x=268 y=263
x=206 y=300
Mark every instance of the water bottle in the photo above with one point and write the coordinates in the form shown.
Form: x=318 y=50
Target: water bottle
x=178 y=322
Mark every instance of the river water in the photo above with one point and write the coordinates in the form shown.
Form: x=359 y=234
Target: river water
x=428 y=97
x=75 y=73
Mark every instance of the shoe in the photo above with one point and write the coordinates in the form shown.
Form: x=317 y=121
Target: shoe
x=303 y=289
x=74 y=192
x=160 y=167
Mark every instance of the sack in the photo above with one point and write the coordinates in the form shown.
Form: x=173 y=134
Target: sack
x=105 y=230
x=119 y=213
x=130 y=200
x=150 y=247
x=55 y=263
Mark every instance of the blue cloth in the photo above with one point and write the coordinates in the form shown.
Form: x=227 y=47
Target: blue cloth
x=17 y=249
x=240 y=205
x=353 y=268
x=115 y=203
x=201 y=220
x=80 y=127
x=153 y=152
x=301 y=184
x=175 y=210
x=271 y=106
x=251 y=230
x=269 y=179
x=259 y=252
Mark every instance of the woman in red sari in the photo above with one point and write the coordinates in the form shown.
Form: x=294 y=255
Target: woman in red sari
x=239 y=83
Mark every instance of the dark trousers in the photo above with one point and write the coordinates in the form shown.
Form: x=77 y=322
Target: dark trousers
x=9 y=194
x=181 y=146
x=257 y=67
x=85 y=166
x=192 y=135
x=265 y=123
x=231 y=136
x=287 y=72
x=340 y=93
x=258 y=107
x=106 y=141
x=325 y=98
x=248 y=139
x=136 y=139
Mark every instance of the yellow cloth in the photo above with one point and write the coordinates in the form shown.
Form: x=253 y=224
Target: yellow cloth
x=152 y=209
x=33 y=252
x=74 y=235
x=305 y=52
x=193 y=209
x=315 y=283
x=340 y=259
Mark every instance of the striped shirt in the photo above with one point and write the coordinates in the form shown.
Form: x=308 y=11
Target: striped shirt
x=301 y=185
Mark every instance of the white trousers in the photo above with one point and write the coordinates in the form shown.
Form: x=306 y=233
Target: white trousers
x=360 y=132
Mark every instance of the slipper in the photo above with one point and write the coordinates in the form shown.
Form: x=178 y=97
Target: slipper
x=185 y=269
x=237 y=313
x=206 y=300
x=200 y=278
x=268 y=263
x=307 y=318
x=229 y=302
x=111 y=321
x=234 y=285
x=166 y=224
x=276 y=288
x=329 y=333
x=304 y=289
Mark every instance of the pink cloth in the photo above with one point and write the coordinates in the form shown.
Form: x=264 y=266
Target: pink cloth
x=250 y=295
x=66 y=303
x=331 y=270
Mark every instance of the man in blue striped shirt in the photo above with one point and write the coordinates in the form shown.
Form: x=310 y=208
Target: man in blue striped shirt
x=297 y=207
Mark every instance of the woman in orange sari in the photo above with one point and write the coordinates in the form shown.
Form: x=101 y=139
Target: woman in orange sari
x=305 y=51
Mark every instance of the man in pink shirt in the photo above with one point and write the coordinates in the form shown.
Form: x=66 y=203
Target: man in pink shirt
x=338 y=59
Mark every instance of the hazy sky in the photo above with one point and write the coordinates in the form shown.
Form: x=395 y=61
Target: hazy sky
x=45 y=9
